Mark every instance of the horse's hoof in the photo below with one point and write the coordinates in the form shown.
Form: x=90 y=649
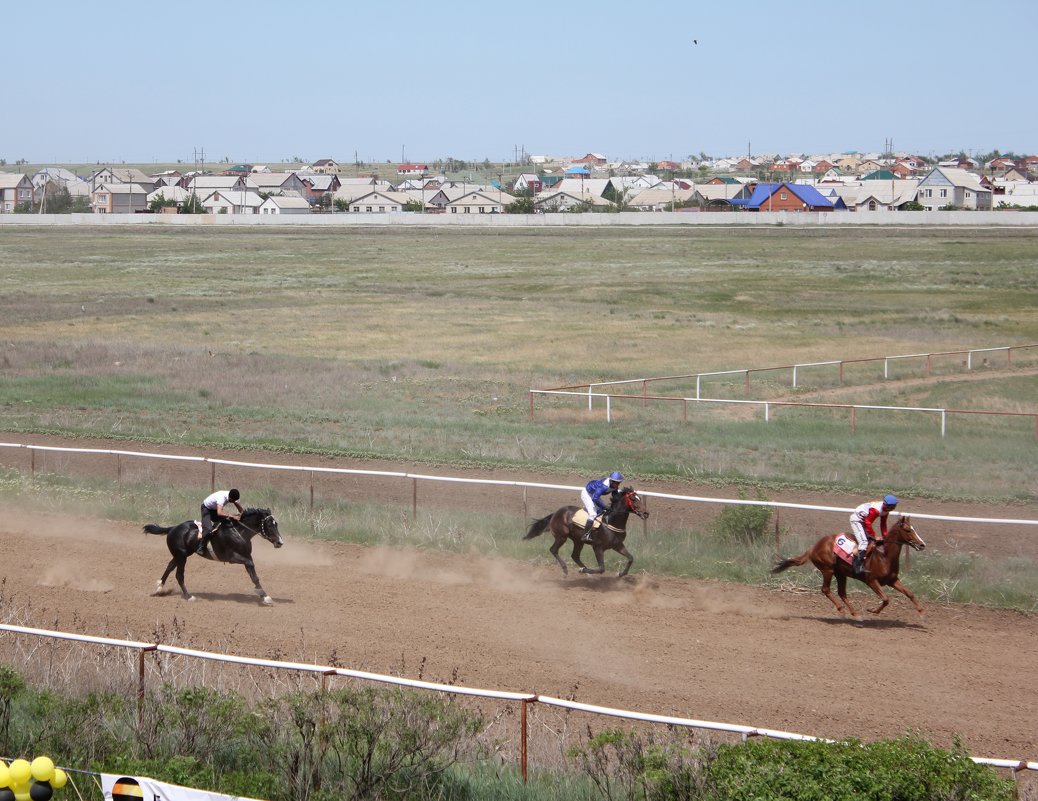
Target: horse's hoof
x=267 y=600
x=190 y=598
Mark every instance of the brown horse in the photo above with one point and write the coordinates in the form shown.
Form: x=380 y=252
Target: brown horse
x=881 y=566
x=608 y=534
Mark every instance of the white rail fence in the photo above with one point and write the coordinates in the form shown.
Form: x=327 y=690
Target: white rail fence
x=415 y=478
x=594 y=391
x=524 y=698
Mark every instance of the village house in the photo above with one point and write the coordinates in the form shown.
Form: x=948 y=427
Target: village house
x=481 y=202
x=274 y=183
x=276 y=204
x=120 y=198
x=15 y=188
x=226 y=201
x=324 y=167
x=380 y=202
x=951 y=186
x=203 y=185
x=121 y=175
x=412 y=169
x=784 y=197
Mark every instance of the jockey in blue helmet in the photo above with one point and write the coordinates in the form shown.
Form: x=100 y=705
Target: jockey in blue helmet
x=591 y=497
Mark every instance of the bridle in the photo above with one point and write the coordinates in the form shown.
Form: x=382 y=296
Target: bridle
x=902 y=529
x=262 y=527
x=630 y=508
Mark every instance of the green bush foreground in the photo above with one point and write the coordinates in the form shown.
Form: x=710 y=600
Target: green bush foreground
x=376 y=743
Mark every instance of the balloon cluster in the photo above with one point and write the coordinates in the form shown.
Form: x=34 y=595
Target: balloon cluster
x=30 y=781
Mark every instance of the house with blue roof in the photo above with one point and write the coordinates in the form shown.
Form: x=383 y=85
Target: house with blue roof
x=784 y=197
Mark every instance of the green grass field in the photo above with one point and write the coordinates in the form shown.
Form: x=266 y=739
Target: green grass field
x=422 y=345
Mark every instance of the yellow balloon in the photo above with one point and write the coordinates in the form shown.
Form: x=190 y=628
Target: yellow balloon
x=20 y=771
x=5 y=775
x=60 y=777
x=22 y=796
x=42 y=768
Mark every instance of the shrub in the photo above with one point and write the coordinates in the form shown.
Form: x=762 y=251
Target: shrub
x=744 y=525
x=907 y=769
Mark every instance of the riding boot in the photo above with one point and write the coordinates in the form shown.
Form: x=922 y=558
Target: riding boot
x=588 y=526
x=203 y=544
x=859 y=563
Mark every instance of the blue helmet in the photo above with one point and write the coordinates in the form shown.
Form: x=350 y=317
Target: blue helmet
x=616 y=476
x=890 y=500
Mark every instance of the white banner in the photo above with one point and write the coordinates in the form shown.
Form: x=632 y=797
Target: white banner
x=141 y=788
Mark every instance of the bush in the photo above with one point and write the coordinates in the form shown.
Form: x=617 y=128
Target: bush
x=665 y=765
x=907 y=769
x=745 y=525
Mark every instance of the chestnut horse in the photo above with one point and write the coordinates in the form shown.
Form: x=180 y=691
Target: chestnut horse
x=881 y=566
x=608 y=534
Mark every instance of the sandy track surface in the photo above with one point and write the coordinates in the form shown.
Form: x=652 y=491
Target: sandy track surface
x=705 y=650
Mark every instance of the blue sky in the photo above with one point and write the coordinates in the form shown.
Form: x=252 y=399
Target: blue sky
x=263 y=81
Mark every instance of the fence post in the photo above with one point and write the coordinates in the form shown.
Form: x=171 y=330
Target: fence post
x=118 y=476
x=841 y=373
x=522 y=738
x=609 y=408
x=140 y=682
x=414 y=498
x=778 y=537
x=526 y=509
x=212 y=476
x=311 y=494
x=853 y=410
x=32 y=464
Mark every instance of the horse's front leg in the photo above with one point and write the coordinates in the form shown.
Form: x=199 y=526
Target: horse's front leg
x=901 y=588
x=180 y=580
x=601 y=561
x=262 y=593
x=884 y=600
x=622 y=550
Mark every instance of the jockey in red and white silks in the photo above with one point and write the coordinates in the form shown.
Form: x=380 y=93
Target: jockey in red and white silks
x=863 y=517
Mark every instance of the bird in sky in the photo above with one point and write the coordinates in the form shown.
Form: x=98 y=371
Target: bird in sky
x=695 y=41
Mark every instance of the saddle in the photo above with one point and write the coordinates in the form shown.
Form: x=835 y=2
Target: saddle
x=580 y=519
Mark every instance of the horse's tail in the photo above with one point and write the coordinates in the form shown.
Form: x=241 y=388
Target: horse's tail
x=537 y=527
x=795 y=561
x=151 y=528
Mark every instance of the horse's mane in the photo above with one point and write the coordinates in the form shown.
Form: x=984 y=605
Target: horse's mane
x=253 y=511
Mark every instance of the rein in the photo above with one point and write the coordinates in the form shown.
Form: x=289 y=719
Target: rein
x=630 y=510
x=262 y=529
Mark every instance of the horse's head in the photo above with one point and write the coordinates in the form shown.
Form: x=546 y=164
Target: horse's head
x=904 y=533
x=265 y=523
x=633 y=502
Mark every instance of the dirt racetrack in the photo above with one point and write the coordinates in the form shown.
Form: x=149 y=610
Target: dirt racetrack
x=706 y=650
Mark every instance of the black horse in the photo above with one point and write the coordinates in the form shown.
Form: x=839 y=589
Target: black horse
x=608 y=534
x=231 y=542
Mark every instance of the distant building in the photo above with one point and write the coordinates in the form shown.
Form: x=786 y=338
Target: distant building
x=950 y=186
x=412 y=169
x=15 y=188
